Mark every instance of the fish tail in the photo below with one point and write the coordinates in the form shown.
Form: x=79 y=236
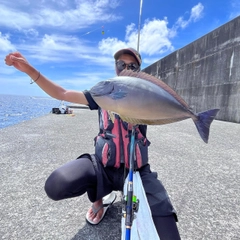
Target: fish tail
x=203 y=122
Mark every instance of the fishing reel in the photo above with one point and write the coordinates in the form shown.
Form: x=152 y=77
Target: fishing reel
x=135 y=206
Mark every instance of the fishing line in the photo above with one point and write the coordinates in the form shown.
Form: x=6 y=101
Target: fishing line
x=102 y=26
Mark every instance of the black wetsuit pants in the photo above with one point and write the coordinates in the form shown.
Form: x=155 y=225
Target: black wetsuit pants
x=87 y=175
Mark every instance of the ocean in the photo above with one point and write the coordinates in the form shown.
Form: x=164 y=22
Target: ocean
x=16 y=109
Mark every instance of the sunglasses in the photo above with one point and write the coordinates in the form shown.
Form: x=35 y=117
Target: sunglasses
x=121 y=65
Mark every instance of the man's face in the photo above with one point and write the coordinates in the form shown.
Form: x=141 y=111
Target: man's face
x=126 y=61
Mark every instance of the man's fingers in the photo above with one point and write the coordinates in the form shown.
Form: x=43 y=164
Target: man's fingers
x=8 y=61
x=18 y=59
x=13 y=59
x=17 y=54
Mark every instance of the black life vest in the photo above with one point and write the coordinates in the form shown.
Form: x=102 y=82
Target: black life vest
x=112 y=145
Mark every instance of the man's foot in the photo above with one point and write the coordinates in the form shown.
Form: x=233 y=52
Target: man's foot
x=99 y=208
x=95 y=213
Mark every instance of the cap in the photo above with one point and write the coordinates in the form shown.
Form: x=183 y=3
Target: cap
x=130 y=51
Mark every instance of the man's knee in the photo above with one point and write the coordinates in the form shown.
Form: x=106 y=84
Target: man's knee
x=54 y=186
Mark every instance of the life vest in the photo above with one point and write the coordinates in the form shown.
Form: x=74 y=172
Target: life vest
x=112 y=145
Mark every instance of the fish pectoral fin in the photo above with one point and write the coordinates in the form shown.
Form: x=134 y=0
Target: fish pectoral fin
x=118 y=95
x=111 y=115
x=133 y=121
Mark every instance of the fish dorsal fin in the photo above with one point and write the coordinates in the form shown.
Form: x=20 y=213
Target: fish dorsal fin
x=156 y=81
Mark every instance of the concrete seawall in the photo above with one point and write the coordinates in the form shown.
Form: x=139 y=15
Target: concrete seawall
x=206 y=73
x=202 y=179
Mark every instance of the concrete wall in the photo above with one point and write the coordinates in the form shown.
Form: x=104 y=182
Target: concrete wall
x=206 y=73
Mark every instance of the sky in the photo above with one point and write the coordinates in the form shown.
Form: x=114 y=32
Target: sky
x=72 y=42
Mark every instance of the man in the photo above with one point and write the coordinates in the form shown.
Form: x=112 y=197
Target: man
x=103 y=172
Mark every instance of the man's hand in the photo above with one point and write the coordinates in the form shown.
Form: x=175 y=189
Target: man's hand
x=18 y=61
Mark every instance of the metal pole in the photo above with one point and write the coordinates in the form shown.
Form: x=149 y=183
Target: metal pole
x=139 y=24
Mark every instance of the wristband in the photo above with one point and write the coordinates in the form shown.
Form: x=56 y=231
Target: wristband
x=33 y=81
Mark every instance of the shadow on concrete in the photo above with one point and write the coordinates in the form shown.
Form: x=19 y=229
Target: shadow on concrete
x=108 y=229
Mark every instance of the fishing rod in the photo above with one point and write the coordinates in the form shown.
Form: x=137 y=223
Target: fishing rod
x=131 y=202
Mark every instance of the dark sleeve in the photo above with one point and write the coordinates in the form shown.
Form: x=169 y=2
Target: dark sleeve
x=91 y=103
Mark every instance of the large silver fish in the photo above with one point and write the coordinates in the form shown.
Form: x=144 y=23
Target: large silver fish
x=140 y=98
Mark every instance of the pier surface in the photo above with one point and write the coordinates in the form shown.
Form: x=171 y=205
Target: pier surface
x=203 y=180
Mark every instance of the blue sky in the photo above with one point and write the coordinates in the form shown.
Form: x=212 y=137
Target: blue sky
x=72 y=42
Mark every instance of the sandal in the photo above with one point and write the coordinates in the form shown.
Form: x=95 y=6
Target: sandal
x=107 y=202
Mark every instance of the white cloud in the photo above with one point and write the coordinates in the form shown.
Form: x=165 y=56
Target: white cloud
x=5 y=44
x=154 y=38
x=48 y=36
x=196 y=14
x=63 y=14
x=111 y=45
x=57 y=48
x=31 y=33
x=14 y=19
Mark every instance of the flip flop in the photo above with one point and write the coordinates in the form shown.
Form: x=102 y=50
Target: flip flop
x=108 y=200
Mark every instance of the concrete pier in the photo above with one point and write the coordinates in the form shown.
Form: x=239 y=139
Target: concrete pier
x=202 y=179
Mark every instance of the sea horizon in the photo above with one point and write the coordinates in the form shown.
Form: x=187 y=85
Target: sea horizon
x=15 y=109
